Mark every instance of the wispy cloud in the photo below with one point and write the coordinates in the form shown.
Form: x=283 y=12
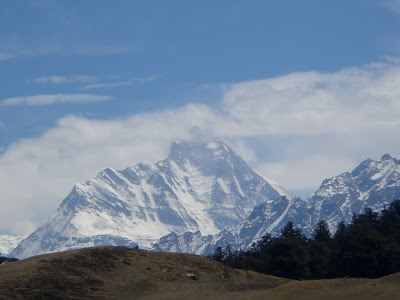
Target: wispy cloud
x=103 y=50
x=59 y=49
x=38 y=100
x=129 y=82
x=9 y=51
x=55 y=79
x=393 y=5
x=5 y=56
x=50 y=79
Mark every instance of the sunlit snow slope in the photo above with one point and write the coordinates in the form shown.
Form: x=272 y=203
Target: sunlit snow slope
x=202 y=187
x=373 y=184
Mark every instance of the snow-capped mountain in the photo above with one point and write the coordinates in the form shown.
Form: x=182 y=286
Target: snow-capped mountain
x=201 y=187
x=268 y=217
x=203 y=195
x=373 y=184
x=9 y=242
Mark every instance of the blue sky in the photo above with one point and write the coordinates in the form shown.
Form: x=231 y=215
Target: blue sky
x=303 y=90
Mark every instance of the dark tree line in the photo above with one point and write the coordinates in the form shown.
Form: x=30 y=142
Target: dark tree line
x=367 y=247
x=4 y=259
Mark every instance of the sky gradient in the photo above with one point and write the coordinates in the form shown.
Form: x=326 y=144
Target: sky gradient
x=303 y=90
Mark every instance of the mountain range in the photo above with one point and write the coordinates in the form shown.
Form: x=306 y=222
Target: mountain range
x=201 y=186
x=203 y=195
x=373 y=184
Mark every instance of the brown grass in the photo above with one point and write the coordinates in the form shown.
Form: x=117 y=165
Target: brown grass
x=124 y=273
x=118 y=273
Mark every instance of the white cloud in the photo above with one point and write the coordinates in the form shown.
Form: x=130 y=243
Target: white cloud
x=313 y=125
x=103 y=50
x=51 y=99
x=312 y=169
x=51 y=79
x=129 y=82
x=54 y=79
x=393 y=5
x=296 y=129
x=312 y=103
x=5 y=56
x=29 y=50
x=38 y=173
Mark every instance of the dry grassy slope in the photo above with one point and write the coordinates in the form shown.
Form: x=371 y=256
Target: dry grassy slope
x=118 y=273
x=123 y=273
x=344 y=288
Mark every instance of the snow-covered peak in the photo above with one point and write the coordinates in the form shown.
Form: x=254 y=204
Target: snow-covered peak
x=372 y=184
x=386 y=157
x=199 y=151
x=201 y=186
x=374 y=169
x=210 y=157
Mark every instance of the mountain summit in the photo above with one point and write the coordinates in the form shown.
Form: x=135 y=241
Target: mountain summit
x=373 y=184
x=202 y=186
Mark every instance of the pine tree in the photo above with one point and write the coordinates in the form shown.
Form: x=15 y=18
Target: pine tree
x=321 y=232
x=289 y=231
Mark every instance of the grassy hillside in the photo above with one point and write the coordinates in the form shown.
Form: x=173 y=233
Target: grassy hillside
x=124 y=273
x=118 y=273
